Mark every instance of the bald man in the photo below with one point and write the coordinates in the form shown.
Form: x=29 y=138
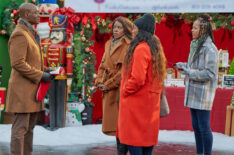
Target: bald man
x=27 y=72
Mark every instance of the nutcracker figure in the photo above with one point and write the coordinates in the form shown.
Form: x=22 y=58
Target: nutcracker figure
x=46 y=8
x=59 y=57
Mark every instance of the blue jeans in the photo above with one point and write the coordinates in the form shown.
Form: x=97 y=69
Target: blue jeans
x=135 y=150
x=202 y=131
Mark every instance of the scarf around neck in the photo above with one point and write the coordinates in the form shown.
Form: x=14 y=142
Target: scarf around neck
x=194 y=45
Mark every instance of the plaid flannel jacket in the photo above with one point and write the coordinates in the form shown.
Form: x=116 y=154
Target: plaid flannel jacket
x=201 y=78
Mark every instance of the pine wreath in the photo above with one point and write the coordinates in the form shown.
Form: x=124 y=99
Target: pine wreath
x=9 y=18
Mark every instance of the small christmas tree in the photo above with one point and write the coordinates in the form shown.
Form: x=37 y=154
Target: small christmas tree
x=231 y=71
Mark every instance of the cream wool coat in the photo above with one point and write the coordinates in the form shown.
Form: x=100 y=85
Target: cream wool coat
x=109 y=73
x=26 y=73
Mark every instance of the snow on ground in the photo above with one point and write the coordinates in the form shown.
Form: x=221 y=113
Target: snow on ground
x=91 y=134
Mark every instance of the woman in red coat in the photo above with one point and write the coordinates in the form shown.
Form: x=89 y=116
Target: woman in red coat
x=143 y=75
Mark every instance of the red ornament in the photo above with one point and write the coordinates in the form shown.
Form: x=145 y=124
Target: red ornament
x=163 y=19
x=3 y=32
x=15 y=12
x=87 y=49
x=100 y=21
x=232 y=23
x=110 y=25
x=85 y=60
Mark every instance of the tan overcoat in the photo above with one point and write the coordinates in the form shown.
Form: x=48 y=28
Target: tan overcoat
x=26 y=73
x=109 y=74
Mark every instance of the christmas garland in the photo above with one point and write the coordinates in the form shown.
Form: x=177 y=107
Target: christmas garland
x=84 y=62
x=104 y=26
x=219 y=20
x=9 y=18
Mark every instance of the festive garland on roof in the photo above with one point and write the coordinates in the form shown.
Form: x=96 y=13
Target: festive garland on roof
x=219 y=20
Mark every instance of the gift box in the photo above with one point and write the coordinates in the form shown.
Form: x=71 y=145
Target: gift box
x=229 y=127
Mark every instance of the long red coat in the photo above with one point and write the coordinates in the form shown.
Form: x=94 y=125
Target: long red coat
x=138 y=122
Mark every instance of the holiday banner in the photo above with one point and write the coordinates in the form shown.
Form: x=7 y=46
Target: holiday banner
x=150 y=6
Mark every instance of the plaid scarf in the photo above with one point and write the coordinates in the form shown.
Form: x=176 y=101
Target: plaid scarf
x=31 y=28
x=194 y=45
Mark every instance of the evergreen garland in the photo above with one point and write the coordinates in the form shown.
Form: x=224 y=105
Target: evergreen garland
x=231 y=71
x=9 y=18
x=84 y=60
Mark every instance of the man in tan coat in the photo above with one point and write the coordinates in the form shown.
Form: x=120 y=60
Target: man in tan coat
x=27 y=72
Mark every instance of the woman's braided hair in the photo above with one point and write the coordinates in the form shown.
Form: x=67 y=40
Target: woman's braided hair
x=205 y=29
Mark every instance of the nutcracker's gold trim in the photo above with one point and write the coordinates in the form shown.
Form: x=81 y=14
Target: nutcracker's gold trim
x=56 y=59
x=53 y=65
x=45 y=43
x=53 y=49
x=69 y=74
x=69 y=55
x=53 y=54
x=60 y=77
x=2 y=88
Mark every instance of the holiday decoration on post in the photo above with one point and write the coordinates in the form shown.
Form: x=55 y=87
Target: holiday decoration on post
x=84 y=62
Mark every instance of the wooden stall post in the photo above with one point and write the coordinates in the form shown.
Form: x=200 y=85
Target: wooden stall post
x=229 y=128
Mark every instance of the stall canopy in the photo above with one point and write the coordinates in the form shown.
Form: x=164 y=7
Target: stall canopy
x=150 y=6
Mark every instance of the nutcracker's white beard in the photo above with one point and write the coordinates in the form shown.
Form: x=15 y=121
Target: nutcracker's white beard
x=43 y=30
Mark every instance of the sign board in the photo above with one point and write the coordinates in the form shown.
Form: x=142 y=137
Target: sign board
x=150 y=6
x=228 y=81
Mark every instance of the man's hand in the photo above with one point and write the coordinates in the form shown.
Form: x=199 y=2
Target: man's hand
x=46 y=77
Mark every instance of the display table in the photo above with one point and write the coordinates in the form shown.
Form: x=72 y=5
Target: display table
x=179 y=117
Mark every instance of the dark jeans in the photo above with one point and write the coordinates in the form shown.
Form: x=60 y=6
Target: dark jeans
x=135 y=150
x=122 y=149
x=202 y=131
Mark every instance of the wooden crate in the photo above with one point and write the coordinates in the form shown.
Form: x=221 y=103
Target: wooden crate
x=229 y=128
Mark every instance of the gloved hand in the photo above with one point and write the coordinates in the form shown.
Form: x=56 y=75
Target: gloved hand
x=46 y=77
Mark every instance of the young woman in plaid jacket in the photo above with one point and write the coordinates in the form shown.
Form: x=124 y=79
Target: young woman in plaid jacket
x=201 y=72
